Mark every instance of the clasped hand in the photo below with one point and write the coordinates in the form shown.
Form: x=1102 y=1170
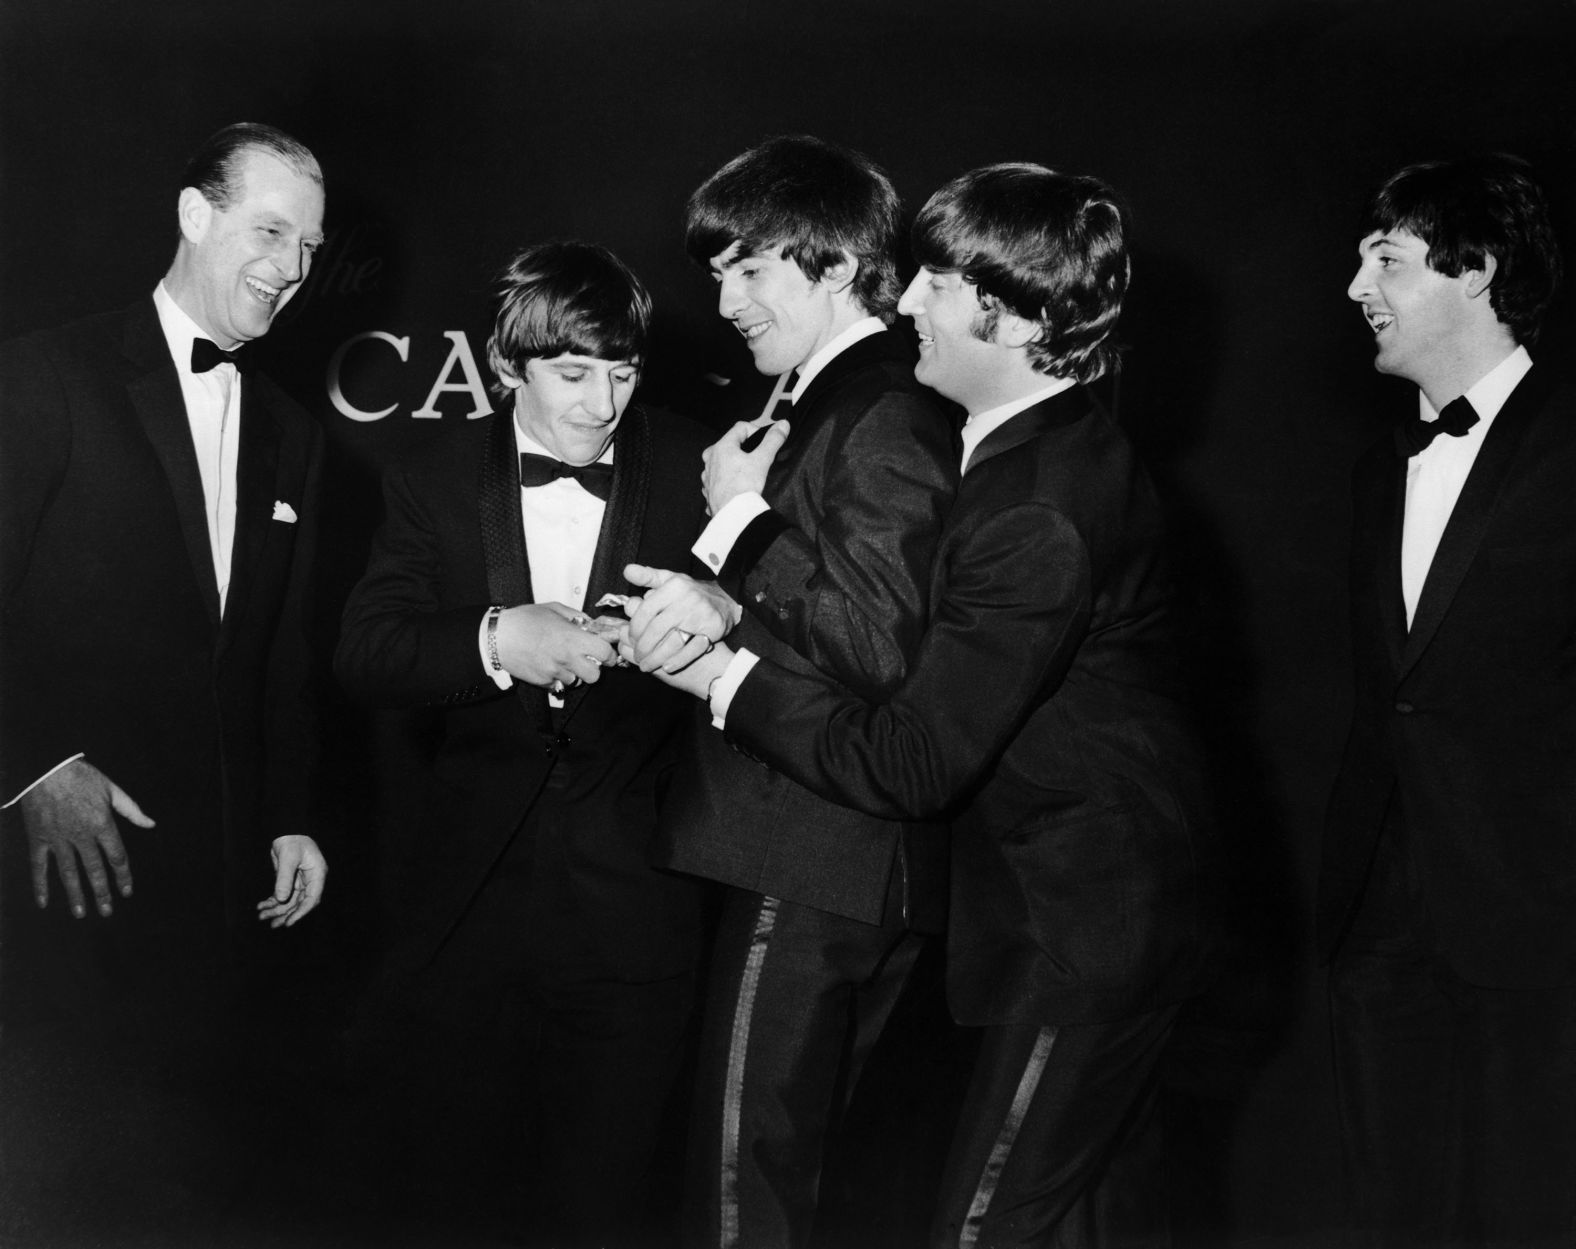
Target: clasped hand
x=679 y=619
x=551 y=645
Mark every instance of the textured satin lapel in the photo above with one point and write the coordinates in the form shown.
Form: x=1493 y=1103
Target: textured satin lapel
x=618 y=541
x=257 y=479
x=155 y=393
x=1473 y=511
x=1389 y=503
x=503 y=541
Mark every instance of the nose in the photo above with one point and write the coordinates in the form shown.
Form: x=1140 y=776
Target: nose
x=292 y=260
x=912 y=302
x=730 y=299
x=1362 y=283
x=599 y=400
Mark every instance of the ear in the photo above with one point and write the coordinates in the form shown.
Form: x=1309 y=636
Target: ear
x=505 y=373
x=841 y=275
x=194 y=212
x=1479 y=280
x=1015 y=331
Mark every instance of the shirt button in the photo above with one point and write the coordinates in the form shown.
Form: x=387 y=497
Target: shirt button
x=712 y=559
x=1405 y=709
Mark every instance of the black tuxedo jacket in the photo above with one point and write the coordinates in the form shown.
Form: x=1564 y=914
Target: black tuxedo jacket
x=112 y=641
x=834 y=579
x=1468 y=720
x=1041 y=715
x=451 y=543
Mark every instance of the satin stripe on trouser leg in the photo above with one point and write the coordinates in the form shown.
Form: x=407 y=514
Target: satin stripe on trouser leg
x=796 y=999
x=1057 y=1144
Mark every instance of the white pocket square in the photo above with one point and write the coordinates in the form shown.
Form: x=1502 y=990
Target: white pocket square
x=283 y=511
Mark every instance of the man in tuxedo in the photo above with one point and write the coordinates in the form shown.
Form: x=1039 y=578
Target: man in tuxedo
x=159 y=501
x=535 y=943
x=829 y=555
x=1447 y=895
x=1041 y=714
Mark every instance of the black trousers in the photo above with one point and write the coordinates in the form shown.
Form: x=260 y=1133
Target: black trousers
x=1058 y=1143
x=1457 y=1102
x=522 y=1086
x=797 y=999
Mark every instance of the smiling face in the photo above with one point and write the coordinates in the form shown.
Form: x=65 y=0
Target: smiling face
x=1424 y=323
x=784 y=316
x=237 y=266
x=953 y=359
x=572 y=404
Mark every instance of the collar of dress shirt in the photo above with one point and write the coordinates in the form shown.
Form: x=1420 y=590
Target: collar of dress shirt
x=179 y=329
x=1488 y=394
x=860 y=329
x=977 y=427
x=524 y=442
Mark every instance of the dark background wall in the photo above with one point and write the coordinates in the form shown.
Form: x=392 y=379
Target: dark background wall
x=1244 y=132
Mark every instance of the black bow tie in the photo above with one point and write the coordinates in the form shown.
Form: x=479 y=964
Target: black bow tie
x=539 y=470
x=1415 y=434
x=206 y=355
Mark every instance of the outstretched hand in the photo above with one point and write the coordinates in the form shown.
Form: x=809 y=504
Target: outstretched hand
x=70 y=818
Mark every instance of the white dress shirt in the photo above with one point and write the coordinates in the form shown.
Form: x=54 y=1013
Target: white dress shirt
x=562 y=521
x=213 y=409
x=1435 y=475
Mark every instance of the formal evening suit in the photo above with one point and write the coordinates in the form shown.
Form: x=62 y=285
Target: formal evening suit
x=1447 y=895
x=1042 y=715
x=823 y=898
x=115 y=646
x=531 y=914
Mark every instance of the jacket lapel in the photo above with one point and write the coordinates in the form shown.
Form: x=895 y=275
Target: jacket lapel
x=503 y=541
x=1473 y=511
x=155 y=393
x=257 y=472
x=1060 y=409
x=618 y=542
x=886 y=345
x=1380 y=536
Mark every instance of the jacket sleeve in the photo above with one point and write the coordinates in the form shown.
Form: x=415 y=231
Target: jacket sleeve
x=853 y=601
x=1016 y=607
x=402 y=640
x=38 y=709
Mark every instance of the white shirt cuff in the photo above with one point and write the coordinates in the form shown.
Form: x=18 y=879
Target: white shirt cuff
x=727 y=685
x=716 y=540
x=500 y=678
x=18 y=798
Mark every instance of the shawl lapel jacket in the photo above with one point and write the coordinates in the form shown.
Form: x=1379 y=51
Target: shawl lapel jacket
x=834 y=578
x=1468 y=720
x=452 y=542
x=1040 y=714
x=112 y=640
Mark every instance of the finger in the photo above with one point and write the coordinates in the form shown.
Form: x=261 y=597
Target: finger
x=66 y=865
x=38 y=856
x=98 y=879
x=663 y=651
x=773 y=439
x=567 y=613
x=126 y=807
x=692 y=650
x=119 y=862
x=285 y=866
x=645 y=576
